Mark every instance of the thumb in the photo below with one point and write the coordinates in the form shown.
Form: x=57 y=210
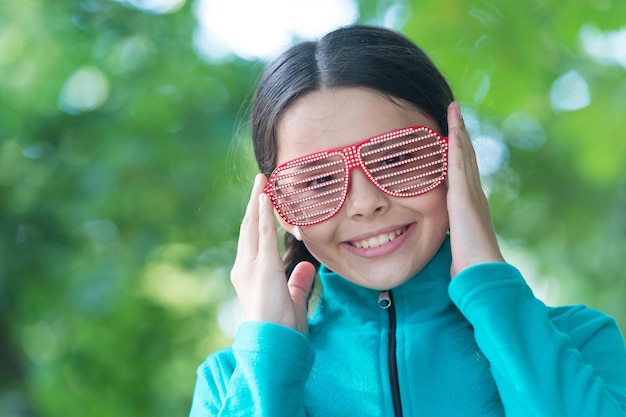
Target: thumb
x=300 y=284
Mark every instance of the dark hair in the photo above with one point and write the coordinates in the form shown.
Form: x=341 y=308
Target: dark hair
x=362 y=56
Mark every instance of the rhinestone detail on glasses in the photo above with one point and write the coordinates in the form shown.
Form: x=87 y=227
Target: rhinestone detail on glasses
x=306 y=192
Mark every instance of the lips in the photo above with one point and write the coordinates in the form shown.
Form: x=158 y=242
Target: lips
x=381 y=239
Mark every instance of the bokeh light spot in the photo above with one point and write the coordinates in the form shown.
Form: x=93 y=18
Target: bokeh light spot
x=230 y=316
x=86 y=89
x=11 y=43
x=491 y=151
x=606 y=48
x=102 y=233
x=39 y=342
x=523 y=132
x=570 y=92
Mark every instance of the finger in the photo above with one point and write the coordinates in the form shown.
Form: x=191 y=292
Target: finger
x=248 y=232
x=457 y=124
x=267 y=234
x=300 y=284
x=463 y=168
x=455 y=119
x=456 y=154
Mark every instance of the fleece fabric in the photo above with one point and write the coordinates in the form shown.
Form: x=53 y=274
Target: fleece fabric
x=478 y=345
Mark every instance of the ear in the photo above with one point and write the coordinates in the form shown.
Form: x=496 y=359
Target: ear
x=294 y=230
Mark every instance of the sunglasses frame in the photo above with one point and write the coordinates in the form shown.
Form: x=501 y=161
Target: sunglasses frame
x=351 y=158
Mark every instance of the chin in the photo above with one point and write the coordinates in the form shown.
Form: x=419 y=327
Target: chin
x=382 y=281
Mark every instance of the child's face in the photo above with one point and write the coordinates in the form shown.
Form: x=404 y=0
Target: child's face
x=334 y=118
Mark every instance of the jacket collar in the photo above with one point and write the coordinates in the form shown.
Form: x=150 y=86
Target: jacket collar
x=422 y=297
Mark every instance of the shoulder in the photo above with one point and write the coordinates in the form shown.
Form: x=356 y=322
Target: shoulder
x=259 y=344
x=256 y=350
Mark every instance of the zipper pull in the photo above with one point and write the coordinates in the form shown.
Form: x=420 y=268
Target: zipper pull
x=384 y=300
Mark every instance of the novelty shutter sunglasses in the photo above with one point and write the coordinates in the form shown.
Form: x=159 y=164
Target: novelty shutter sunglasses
x=402 y=163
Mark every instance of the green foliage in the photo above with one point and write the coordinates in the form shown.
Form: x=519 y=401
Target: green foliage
x=119 y=221
x=563 y=201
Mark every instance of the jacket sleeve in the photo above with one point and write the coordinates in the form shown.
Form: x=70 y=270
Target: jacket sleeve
x=572 y=366
x=264 y=374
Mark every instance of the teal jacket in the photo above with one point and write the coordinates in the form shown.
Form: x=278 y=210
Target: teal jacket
x=479 y=345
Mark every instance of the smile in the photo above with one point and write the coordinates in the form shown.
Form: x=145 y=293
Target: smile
x=379 y=240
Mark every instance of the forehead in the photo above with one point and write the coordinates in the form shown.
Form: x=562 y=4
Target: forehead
x=332 y=118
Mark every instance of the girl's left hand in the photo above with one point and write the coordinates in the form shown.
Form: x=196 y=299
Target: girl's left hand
x=472 y=236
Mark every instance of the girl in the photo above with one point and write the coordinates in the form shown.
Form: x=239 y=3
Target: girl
x=373 y=177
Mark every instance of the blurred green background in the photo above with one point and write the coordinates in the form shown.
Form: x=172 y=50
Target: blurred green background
x=125 y=169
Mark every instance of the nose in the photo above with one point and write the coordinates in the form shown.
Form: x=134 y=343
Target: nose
x=364 y=200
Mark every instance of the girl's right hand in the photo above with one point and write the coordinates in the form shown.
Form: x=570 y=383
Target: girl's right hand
x=258 y=273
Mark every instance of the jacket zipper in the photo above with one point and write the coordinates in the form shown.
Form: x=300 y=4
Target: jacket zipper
x=385 y=301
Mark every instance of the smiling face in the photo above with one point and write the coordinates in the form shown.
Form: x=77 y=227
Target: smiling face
x=375 y=240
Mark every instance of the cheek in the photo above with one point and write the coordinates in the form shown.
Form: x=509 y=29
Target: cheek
x=319 y=234
x=320 y=240
x=433 y=205
x=440 y=205
x=441 y=202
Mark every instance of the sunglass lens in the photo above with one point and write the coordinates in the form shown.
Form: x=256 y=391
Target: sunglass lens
x=310 y=190
x=406 y=165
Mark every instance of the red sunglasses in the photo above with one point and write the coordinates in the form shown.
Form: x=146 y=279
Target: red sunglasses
x=402 y=163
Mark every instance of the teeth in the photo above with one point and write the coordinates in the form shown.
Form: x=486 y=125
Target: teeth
x=374 y=242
